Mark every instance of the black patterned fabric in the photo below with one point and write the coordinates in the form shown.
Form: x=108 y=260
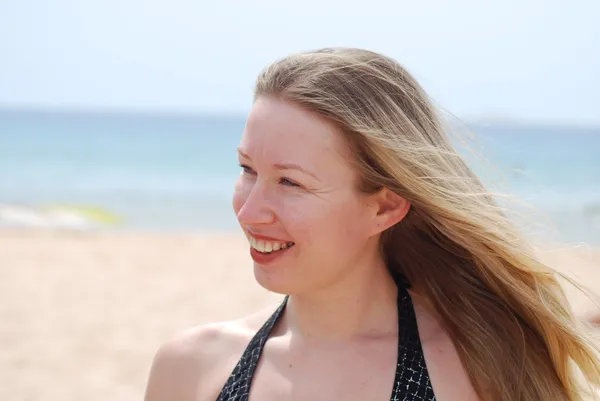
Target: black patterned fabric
x=411 y=383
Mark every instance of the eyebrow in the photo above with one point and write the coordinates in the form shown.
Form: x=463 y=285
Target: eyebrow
x=283 y=166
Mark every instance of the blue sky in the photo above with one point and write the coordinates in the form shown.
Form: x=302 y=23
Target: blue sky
x=529 y=59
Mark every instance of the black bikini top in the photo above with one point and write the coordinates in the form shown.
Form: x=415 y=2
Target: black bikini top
x=412 y=380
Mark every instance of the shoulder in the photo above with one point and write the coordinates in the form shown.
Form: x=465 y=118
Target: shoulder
x=449 y=378
x=195 y=363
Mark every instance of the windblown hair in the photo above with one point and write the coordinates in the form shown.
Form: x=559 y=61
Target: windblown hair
x=503 y=308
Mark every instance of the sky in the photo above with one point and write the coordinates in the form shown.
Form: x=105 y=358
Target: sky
x=522 y=59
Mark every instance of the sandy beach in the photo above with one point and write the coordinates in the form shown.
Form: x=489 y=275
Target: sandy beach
x=83 y=313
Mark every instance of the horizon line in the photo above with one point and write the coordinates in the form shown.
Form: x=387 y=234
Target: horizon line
x=190 y=112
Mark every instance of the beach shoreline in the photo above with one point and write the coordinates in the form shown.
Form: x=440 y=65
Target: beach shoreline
x=84 y=312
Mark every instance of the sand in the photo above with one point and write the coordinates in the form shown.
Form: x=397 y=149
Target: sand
x=82 y=314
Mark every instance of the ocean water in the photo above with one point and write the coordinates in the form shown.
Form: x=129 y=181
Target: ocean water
x=163 y=172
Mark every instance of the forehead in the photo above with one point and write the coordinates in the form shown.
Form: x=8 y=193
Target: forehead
x=278 y=130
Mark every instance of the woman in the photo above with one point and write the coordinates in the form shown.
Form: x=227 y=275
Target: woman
x=403 y=278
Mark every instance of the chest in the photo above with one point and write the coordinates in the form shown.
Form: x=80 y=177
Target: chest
x=360 y=372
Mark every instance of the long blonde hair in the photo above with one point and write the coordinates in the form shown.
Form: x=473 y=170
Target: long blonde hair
x=503 y=308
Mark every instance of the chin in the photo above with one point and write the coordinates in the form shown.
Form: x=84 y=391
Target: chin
x=275 y=281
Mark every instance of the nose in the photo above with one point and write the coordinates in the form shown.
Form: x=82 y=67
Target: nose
x=255 y=208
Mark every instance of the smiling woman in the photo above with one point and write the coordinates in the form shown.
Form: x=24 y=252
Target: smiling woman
x=397 y=285
x=315 y=207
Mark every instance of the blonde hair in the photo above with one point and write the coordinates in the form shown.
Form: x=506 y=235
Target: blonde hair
x=502 y=306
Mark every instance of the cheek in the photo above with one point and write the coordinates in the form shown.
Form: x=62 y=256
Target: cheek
x=350 y=223
x=327 y=224
x=240 y=194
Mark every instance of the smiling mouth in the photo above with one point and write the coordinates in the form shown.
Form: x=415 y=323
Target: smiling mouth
x=266 y=247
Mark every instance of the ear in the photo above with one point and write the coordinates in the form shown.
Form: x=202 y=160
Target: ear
x=390 y=208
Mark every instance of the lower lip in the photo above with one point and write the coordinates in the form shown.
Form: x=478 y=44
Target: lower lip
x=267 y=258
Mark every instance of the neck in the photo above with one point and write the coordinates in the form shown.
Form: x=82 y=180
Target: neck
x=362 y=304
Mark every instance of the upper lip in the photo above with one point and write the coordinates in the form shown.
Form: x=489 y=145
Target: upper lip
x=265 y=238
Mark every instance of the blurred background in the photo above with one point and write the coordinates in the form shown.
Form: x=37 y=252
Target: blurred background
x=118 y=127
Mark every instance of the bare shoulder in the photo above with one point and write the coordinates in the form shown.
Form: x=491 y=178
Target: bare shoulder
x=195 y=363
x=449 y=378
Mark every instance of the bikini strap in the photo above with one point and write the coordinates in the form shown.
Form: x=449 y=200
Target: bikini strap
x=237 y=386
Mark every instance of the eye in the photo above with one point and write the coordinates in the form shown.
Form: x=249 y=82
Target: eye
x=246 y=169
x=288 y=183
x=283 y=181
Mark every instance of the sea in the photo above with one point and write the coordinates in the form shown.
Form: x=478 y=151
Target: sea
x=173 y=172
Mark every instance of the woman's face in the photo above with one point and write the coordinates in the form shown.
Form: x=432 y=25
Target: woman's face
x=297 y=200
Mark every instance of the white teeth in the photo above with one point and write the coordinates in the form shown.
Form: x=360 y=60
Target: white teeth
x=268 y=246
